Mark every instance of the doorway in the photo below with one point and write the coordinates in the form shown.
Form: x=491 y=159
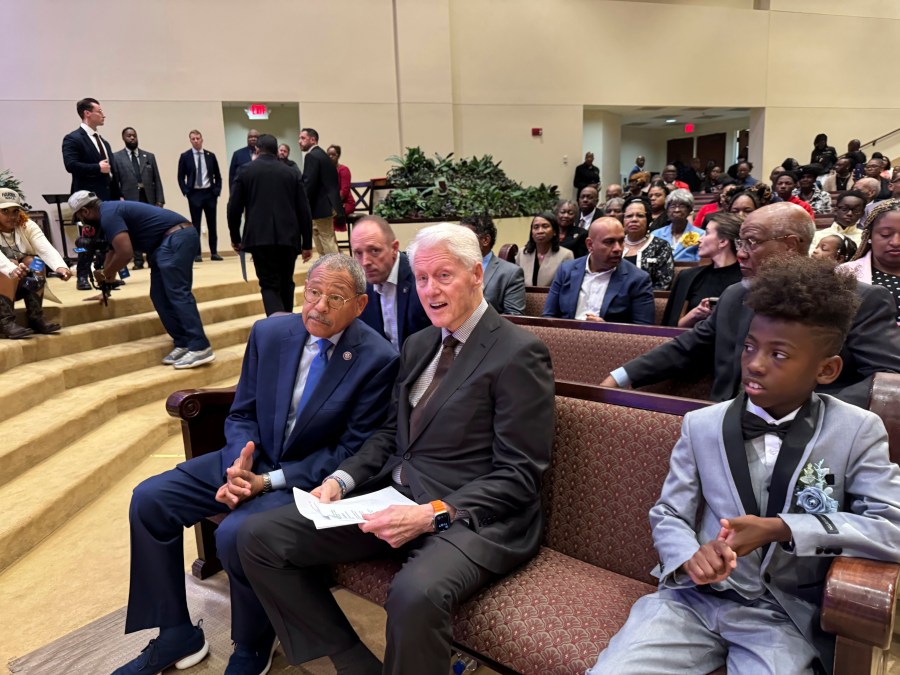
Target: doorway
x=283 y=124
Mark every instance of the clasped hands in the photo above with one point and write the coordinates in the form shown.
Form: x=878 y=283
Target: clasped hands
x=241 y=483
x=714 y=560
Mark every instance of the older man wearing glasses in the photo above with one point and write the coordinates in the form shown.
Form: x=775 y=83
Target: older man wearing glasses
x=312 y=389
x=873 y=344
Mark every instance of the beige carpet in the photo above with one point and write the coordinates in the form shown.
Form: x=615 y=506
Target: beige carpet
x=101 y=646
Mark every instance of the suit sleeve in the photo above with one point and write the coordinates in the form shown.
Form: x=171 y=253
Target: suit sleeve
x=551 y=304
x=232 y=171
x=235 y=211
x=311 y=177
x=214 y=176
x=71 y=152
x=514 y=296
x=241 y=425
x=182 y=176
x=365 y=415
x=673 y=515
x=157 y=181
x=643 y=309
x=870 y=527
x=115 y=189
x=304 y=216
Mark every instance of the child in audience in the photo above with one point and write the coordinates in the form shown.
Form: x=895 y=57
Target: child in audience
x=835 y=247
x=762 y=492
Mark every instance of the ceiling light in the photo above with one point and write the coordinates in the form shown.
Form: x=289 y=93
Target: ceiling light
x=671 y=120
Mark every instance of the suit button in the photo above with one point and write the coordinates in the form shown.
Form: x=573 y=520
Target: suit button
x=767 y=577
x=407 y=455
x=819 y=550
x=838 y=551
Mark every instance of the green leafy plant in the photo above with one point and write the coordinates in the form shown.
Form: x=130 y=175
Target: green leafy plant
x=7 y=180
x=447 y=189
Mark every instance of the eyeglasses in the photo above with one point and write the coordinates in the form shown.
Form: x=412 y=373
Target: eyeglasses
x=751 y=244
x=334 y=300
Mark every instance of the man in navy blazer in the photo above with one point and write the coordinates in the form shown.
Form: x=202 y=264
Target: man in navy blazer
x=242 y=156
x=601 y=286
x=278 y=436
x=394 y=308
x=203 y=190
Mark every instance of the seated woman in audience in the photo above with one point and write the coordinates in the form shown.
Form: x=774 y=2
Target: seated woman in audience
x=21 y=241
x=743 y=203
x=835 y=247
x=637 y=183
x=614 y=207
x=697 y=289
x=711 y=177
x=642 y=249
x=720 y=204
x=878 y=259
x=542 y=254
x=571 y=236
x=657 y=196
x=683 y=237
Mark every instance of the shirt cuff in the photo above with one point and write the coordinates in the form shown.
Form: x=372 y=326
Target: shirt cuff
x=348 y=480
x=621 y=377
x=277 y=479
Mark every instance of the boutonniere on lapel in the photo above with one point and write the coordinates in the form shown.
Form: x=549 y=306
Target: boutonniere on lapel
x=812 y=491
x=690 y=239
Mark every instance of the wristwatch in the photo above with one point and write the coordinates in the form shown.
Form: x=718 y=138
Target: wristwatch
x=267 y=483
x=441 y=520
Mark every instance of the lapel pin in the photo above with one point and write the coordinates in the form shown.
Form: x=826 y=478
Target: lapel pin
x=347 y=356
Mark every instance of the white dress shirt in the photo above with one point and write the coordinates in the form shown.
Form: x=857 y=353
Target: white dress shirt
x=768 y=446
x=90 y=132
x=593 y=290
x=388 y=293
x=204 y=174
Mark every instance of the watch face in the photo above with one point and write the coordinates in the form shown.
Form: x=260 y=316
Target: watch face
x=441 y=521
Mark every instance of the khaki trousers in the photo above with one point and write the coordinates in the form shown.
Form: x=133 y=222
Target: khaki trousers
x=323 y=235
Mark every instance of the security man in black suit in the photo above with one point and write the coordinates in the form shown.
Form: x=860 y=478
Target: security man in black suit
x=242 y=156
x=321 y=181
x=138 y=177
x=202 y=188
x=277 y=224
x=87 y=157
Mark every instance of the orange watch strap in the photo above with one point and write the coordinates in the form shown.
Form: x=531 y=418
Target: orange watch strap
x=439 y=506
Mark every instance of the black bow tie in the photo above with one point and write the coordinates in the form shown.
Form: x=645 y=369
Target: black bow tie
x=754 y=426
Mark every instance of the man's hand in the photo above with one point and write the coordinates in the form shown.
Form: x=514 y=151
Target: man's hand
x=241 y=483
x=104 y=166
x=711 y=563
x=610 y=382
x=328 y=491
x=306 y=254
x=19 y=272
x=745 y=534
x=100 y=276
x=593 y=317
x=398 y=525
x=700 y=312
x=236 y=247
x=159 y=204
x=64 y=273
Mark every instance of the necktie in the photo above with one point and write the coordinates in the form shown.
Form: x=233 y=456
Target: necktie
x=100 y=145
x=315 y=373
x=199 y=173
x=135 y=165
x=754 y=426
x=444 y=363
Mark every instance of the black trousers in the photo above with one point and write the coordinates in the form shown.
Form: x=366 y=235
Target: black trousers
x=200 y=203
x=283 y=554
x=275 y=271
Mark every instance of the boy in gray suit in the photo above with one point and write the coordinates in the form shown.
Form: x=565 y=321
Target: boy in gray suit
x=783 y=479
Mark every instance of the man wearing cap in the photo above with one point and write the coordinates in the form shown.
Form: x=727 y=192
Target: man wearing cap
x=170 y=242
x=809 y=192
x=21 y=241
x=87 y=157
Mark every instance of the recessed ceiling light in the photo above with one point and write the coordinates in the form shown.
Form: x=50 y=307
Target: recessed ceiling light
x=671 y=120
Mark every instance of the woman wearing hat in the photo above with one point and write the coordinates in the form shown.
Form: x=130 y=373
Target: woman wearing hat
x=21 y=241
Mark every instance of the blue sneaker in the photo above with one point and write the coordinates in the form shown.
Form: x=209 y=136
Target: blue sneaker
x=162 y=654
x=246 y=661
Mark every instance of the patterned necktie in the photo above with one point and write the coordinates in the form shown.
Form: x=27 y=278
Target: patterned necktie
x=100 y=146
x=448 y=353
x=136 y=166
x=755 y=426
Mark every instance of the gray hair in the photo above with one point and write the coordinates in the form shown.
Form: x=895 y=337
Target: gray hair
x=338 y=262
x=460 y=242
x=615 y=201
x=680 y=197
x=785 y=218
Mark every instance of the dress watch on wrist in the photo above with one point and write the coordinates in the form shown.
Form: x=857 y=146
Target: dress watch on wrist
x=267 y=483
x=441 y=520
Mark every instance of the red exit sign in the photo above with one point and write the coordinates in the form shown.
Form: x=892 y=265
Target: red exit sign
x=258 y=111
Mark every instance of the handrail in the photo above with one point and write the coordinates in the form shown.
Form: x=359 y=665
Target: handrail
x=874 y=141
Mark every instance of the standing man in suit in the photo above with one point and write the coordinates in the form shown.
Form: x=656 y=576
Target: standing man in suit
x=138 y=177
x=588 y=199
x=323 y=189
x=872 y=345
x=201 y=182
x=87 y=157
x=242 y=156
x=467 y=437
x=277 y=225
x=504 y=282
x=311 y=390
x=601 y=286
x=394 y=308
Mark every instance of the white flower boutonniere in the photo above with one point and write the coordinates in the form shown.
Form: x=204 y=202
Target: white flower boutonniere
x=812 y=491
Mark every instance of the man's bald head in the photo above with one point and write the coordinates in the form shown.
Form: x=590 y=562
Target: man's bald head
x=870 y=187
x=783 y=219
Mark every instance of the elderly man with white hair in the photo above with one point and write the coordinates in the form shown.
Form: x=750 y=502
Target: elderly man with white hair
x=467 y=438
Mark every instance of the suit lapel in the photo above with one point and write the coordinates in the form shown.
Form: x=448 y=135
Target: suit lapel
x=736 y=453
x=492 y=266
x=421 y=362
x=742 y=327
x=793 y=451
x=576 y=279
x=404 y=288
x=288 y=363
x=616 y=281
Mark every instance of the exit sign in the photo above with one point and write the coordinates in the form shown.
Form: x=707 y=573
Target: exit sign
x=257 y=111
x=688 y=128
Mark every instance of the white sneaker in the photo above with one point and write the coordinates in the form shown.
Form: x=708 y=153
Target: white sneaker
x=174 y=355
x=194 y=359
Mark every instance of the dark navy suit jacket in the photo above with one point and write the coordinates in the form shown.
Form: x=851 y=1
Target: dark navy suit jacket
x=411 y=316
x=82 y=160
x=628 y=299
x=187 y=171
x=238 y=159
x=348 y=405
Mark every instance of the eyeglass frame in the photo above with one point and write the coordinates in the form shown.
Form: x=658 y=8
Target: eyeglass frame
x=328 y=298
x=753 y=243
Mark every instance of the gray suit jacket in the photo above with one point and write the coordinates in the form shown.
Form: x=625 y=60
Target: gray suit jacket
x=711 y=453
x=484 y=443
x=128 y=183
x=504 y=286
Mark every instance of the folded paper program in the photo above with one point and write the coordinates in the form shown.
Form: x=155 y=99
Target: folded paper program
x=346 y=511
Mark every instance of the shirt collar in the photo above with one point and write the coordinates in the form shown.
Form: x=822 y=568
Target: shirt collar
x=587 y=267
x=759 y=412
x=334 y=339
x=393 y=277
x=850 y=229
x=465 y=330
x=90 y=132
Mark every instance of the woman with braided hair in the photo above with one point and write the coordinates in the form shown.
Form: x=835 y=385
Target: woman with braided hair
x=877 y=261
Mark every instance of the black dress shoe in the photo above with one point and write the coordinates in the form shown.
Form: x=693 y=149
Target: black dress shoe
x=215 y=256
x=197 y=258
x=138 y=266
x=83 y=284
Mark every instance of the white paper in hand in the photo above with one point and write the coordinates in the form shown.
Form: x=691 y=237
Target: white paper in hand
x=347 y=511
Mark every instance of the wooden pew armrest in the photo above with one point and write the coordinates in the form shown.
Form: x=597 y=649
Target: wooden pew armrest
x=202 y=413
x=858 y=602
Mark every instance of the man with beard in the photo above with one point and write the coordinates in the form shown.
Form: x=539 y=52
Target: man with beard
x=138 y=177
